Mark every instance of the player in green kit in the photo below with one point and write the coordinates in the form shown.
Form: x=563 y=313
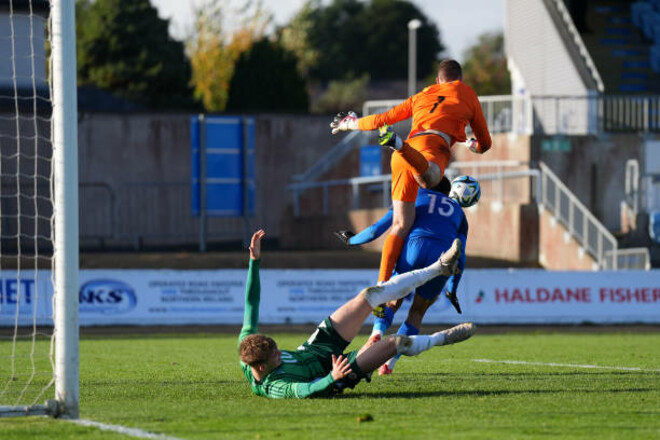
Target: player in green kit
x=319 y=366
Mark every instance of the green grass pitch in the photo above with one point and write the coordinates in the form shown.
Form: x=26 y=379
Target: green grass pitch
x=191 y=387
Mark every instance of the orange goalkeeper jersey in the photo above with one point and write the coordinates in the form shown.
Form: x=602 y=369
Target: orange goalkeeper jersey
x=447 y=107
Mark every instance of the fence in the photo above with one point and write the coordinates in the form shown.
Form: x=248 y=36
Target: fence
x=139 y=212
x=544 y=187
x=489 y=173
x=575 y=115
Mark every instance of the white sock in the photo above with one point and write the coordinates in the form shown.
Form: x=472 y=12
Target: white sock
x=400 y=285
x=419 y=344
x=438 y=338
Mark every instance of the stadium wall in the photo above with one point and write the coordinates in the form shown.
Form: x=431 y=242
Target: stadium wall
x=121 y=153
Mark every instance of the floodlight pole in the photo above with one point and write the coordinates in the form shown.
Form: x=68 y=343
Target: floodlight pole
x=413 y=25
x=65 y=171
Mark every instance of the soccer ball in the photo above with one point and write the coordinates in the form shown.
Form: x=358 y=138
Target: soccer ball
x=465 y=190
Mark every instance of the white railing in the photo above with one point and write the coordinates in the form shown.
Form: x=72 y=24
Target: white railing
x=581 y=224
x=585 y=228
x=546 y=189
x=632 y=185
x=629 y=259
x=579 y=44
x=353 y=140
x=497 y=171
x=558 y=114
x=503 y=113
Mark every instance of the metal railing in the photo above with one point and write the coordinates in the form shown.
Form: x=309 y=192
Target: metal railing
x=585 y=228
x=576 y=40
x=545 y=189
x=578 y=220
x=632 y=185
x=628 y=259
x=559 y=114
x=137 y=212
x=503 y=113
x=333 y=156
x=496 y=172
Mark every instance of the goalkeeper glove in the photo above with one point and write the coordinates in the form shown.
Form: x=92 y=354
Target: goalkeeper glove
x=471 y=144
x=388 y=138
x=344 y=122
x=344 y=236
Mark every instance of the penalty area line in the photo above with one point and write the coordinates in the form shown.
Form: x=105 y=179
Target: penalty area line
x=553 y=364
x=132 y=432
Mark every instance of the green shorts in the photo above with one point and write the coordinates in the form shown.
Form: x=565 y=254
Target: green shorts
x=325 y=342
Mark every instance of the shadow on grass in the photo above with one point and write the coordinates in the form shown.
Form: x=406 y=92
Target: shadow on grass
x=479 y=393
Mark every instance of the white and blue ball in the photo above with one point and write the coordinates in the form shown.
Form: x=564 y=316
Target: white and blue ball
x=465 y=190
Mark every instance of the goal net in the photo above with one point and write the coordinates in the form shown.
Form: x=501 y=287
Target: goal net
x=38 y=209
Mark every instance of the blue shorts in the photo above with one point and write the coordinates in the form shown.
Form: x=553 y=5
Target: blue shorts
x=417 y=253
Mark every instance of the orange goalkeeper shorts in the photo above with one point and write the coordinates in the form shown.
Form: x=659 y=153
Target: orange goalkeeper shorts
x=404 y=185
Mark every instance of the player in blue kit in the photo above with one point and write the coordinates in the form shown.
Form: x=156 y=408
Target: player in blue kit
x=439 y=219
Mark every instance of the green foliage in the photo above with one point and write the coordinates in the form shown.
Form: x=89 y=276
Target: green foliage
x=191 y=386
x=341 y=95
x=211 y=59
x=295 y=38
x=485 y=67
x=266 y=79
x=126 y=49
x=355 y=37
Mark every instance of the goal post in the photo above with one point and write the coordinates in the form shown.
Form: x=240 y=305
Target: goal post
x=39 y=360
x=65 y=210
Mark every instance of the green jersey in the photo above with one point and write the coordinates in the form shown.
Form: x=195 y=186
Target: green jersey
x=301 y=374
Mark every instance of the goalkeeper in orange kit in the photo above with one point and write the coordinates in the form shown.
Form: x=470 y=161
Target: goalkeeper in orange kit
x=439 y=114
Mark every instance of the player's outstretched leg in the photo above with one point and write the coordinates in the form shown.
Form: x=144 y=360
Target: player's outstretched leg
x=414 y=345
x=400 y=285
x=405 y=329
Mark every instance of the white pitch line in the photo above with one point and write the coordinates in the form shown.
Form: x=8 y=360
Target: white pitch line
x=133 y=432
x=553 y=364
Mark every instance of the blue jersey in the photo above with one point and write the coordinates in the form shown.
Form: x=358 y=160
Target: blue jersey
x=439 y=219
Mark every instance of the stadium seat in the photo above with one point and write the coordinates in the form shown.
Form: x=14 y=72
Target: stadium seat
x=638 y=10
x=649 y=21
x=655 y=58
x=655 y=32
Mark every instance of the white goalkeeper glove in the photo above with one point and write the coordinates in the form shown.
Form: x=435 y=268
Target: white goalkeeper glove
x=471 y=144
x=344 y=122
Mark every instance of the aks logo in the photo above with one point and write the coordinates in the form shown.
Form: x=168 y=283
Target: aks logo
x=107 y=297
x=480 y=297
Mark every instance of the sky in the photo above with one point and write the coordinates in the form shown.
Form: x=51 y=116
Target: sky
x=460 y=22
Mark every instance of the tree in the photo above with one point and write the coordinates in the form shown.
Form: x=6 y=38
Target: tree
x=124 y=47
x=343 y=94
x=351 y=38
x=214 y=52
x=266 y=79
x=295 y=38
x=485 y=68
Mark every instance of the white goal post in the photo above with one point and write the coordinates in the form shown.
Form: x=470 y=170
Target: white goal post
x=38 y=210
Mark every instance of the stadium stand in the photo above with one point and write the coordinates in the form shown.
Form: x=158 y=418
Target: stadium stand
x=624 y=40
